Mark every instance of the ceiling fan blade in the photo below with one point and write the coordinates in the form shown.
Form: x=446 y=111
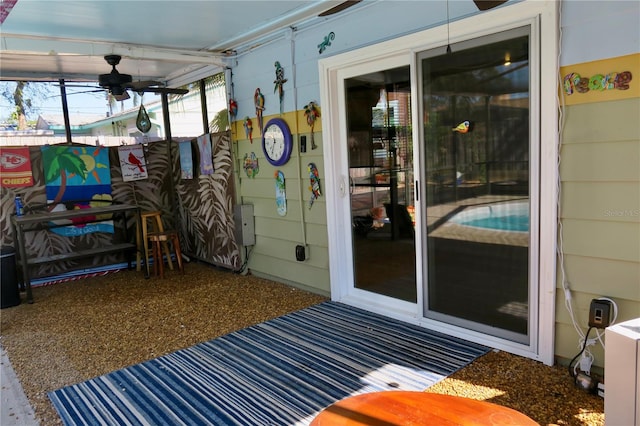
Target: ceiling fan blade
x=86 y=86
x=136 y=85
x=339 y=8
x=159 y=90
x=488 y=4
x=85 y=91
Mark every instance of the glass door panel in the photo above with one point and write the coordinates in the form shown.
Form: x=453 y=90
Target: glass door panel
x=381 y=179
x=476 y=155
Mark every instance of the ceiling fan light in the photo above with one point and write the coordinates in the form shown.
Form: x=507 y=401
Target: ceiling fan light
x=117 y=90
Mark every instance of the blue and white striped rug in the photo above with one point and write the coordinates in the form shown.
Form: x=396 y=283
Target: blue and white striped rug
x=280 y=372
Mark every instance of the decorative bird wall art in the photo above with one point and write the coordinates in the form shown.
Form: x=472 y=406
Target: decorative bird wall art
x=248 y=128
x=279 y=82
x=258 y=100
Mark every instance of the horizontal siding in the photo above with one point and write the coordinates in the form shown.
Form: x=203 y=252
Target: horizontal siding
x=600 y=239
x=273 y=255
x=601 y=201
x=600 y=212
x=602 y=122
x=603 y=277
x=581 y=302
x=566 y=339
x=567 y=344
x=296 y=273
x=601 y=161
x=316 y=255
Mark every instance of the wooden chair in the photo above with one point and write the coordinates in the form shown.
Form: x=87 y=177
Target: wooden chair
x=163 y=238
x=154 y=219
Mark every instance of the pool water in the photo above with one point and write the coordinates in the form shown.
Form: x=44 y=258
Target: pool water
x=501 y=223
x=510 y=217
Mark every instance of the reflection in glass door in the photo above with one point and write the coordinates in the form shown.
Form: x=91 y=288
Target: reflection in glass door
x=475 y=109
x=381 y=179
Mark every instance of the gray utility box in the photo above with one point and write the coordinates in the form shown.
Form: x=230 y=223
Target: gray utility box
x=245 y=231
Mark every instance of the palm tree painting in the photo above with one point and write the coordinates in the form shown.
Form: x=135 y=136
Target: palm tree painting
x=77 y=177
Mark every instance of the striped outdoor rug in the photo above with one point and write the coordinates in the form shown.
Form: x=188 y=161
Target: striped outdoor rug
x=280 y=372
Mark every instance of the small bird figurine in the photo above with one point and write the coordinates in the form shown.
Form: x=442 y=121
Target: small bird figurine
x=258 y=100
x=462 y=127
x=279 y=81
x=135 y=161
x=248 y=129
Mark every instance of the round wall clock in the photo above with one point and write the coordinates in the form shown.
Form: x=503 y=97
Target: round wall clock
x=277 y=142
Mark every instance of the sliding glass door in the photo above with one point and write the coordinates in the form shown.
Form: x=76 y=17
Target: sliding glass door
x=441 y=177
x=477 y=184
x=380 y=157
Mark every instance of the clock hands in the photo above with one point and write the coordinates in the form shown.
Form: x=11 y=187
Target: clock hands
x=273 y=148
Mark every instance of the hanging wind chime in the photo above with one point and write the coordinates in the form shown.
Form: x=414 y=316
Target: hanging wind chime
x=143 y=122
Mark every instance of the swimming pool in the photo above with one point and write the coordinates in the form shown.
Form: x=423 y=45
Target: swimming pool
x=512 y=216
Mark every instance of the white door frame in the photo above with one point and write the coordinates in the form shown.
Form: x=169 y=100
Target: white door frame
x=542 y=16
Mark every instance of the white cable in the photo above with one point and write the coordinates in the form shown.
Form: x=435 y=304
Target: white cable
x=560 y=249
x=294 y=82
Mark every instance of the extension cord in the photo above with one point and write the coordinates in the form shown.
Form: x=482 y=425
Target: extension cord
x=585 y=363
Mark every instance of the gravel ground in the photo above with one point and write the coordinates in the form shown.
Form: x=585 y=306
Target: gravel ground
x=78 y=330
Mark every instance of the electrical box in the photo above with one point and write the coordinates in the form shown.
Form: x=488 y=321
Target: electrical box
x=600 y=313
x=245 y=232
x=622 y=374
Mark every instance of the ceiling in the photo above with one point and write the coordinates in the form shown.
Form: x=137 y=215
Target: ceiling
x=165 y=41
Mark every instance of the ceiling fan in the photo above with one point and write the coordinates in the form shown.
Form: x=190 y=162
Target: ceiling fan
x=117 y=84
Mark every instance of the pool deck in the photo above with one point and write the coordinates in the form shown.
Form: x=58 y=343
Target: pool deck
x=442 y=227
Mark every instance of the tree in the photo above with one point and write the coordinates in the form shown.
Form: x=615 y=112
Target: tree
x=23 y=97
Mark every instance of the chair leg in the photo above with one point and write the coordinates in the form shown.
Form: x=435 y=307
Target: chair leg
x=138 y=246
x=155 y=259
x=165 y=244
x=145 y=240
x=158 y=250
x=176 y=247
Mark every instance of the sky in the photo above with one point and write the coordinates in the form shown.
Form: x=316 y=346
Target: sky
x=78 y=103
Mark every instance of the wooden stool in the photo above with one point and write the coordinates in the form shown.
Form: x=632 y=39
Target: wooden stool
x=142 y=238
x=164 y=237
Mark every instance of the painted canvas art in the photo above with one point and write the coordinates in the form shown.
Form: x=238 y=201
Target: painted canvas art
x=77 y=177
x=132 y=162
x=186 y=160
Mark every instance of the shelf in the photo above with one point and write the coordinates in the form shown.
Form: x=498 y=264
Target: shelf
x=82 y=254
x=46 y=220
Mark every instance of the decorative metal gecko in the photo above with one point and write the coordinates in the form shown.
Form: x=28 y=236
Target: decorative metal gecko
x=327 y=42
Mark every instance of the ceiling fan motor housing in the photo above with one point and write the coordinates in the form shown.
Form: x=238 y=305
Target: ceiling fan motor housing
x=114 y=81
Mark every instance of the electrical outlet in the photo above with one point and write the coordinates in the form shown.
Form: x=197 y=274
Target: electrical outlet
x=301 y=253
x=600 y=313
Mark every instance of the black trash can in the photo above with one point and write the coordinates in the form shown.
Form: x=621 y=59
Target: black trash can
x=9 y=293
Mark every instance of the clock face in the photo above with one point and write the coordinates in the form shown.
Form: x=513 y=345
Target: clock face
x=276 y=142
